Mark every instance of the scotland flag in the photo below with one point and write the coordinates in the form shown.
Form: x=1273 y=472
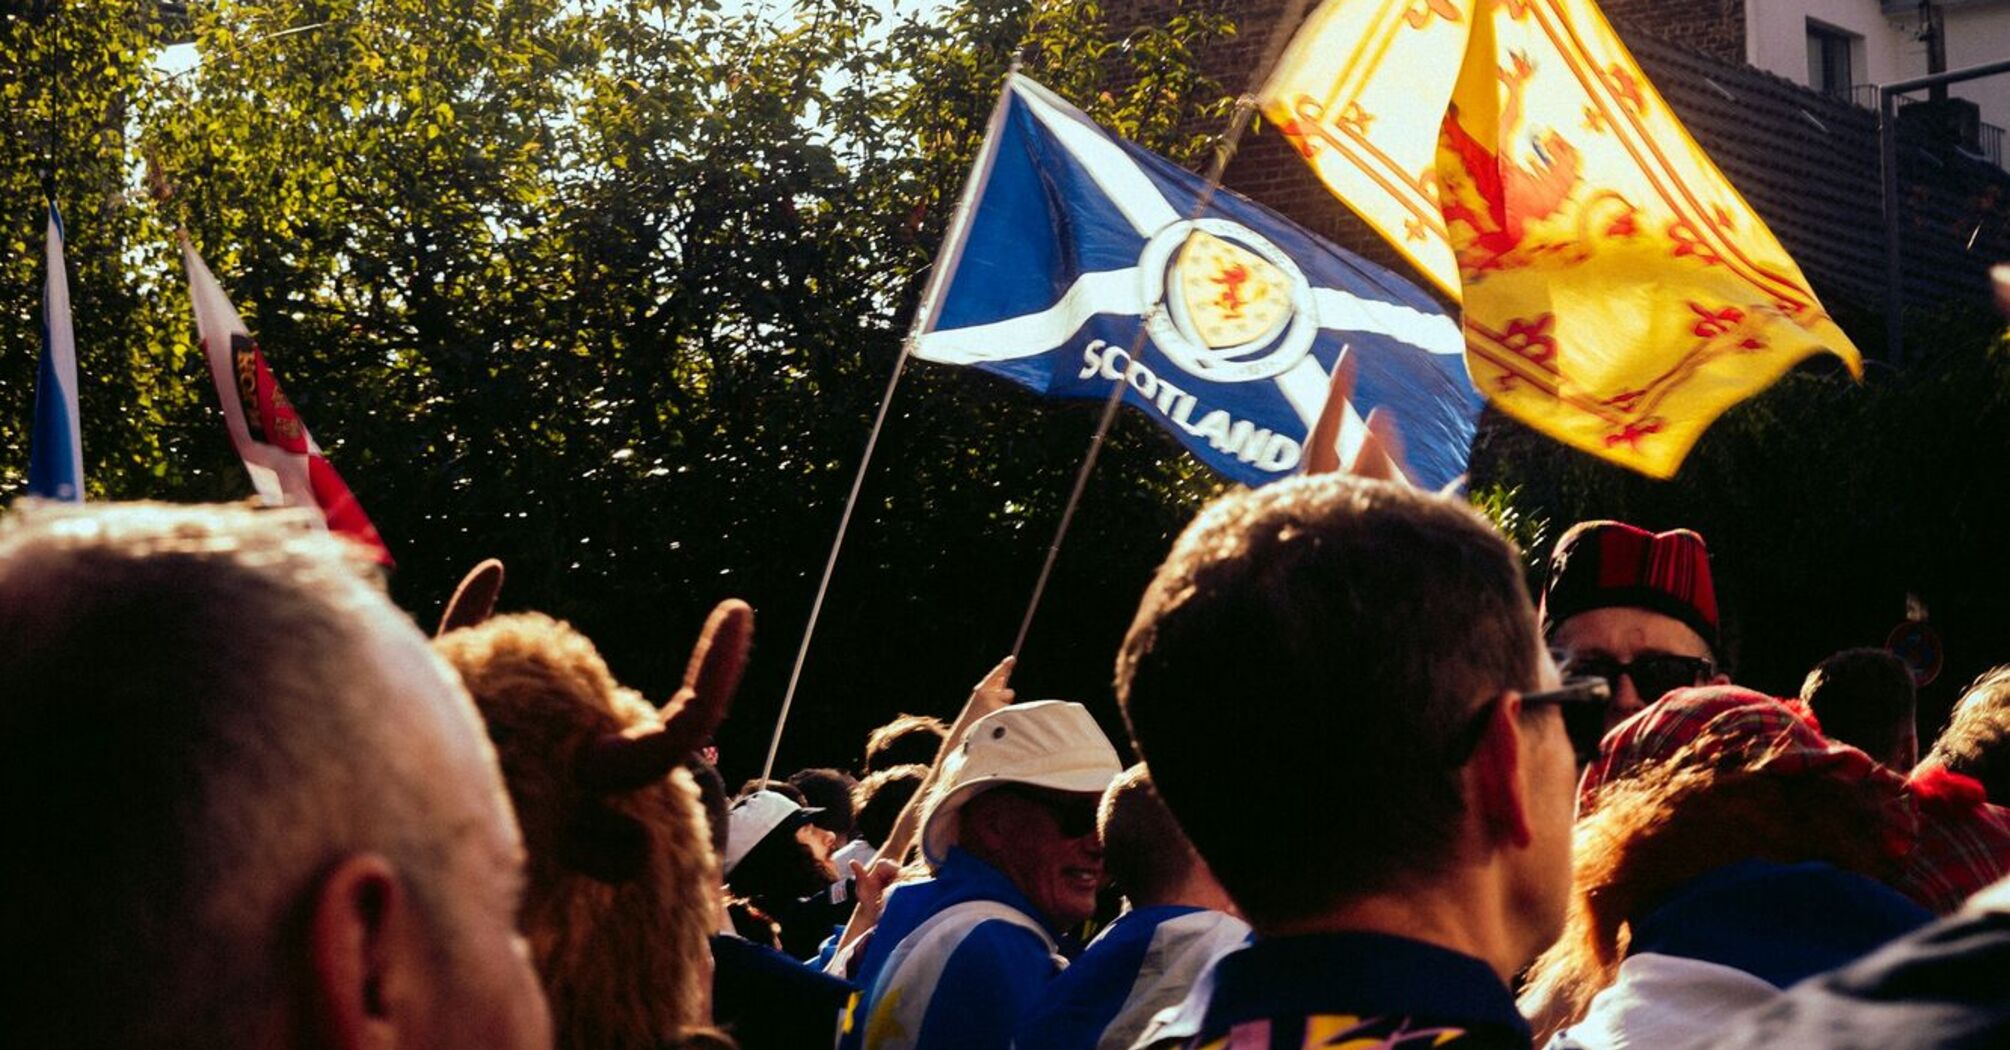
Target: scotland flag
x=56 y=451
x=1069 y=239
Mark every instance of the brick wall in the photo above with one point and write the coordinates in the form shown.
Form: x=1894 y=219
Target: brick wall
x=1807 y=163
x=1714 y=27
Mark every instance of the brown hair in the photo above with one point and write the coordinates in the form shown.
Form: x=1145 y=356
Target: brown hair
x=1148 y=856
x=623 y=885
x=1302 y=661
x=906 y=740
x=1652 y=832
x=1865 y=698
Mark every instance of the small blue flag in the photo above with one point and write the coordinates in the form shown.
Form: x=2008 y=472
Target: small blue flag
x=56 y=449
x=1068 y=239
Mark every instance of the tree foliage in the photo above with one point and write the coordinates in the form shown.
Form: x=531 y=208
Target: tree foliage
x=610 y=291
x=1825 y=502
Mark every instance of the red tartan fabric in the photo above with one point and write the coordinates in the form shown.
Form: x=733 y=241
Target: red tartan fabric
x=1964 y=842
x=1598 y=564
x=1952 y=845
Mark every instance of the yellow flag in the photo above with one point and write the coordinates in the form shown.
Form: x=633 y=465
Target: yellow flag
x=1618 y=292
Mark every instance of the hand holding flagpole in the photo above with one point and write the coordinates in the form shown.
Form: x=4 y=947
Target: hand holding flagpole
x=992 y=693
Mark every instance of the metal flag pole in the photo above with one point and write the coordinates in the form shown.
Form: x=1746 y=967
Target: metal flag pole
x=1238 y=122
x=924 y=315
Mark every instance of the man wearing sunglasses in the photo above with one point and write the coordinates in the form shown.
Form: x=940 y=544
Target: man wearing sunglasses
x=1010 y=837
x=1341 y=691
x=1635 y=608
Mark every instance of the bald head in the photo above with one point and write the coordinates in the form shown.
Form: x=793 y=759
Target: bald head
x=208 y=713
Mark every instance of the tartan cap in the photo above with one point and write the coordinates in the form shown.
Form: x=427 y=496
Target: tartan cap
x=1606 y=564
x=1949 y=843
x=1728 y=725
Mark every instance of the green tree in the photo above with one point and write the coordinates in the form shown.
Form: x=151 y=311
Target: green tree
x=611 y=291
x=1825 y=502
x=73 y=78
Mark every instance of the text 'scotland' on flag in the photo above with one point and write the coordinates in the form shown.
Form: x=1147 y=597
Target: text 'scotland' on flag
x=56 y=449
x=286 y=466
x=1618 y=292
x=1070 y=239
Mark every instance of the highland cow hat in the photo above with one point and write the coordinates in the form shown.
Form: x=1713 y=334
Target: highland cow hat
x=1608 y=564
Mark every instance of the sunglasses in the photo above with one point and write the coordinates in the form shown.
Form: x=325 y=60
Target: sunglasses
x=1074 y=815
x=1582 y=701
x=1654 y=674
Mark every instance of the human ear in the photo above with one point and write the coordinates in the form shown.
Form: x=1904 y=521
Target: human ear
x=984 y=826
x=359 y=942
x=1500 y=789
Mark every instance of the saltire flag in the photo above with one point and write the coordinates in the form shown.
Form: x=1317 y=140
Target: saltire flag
x=1069 y=239
x=286 y=466
x=1618 y=292
x=56 y=449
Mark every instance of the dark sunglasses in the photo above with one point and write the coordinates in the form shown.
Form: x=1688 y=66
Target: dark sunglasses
x=1581 y=700
x=1654 y=674
x=1074 y=815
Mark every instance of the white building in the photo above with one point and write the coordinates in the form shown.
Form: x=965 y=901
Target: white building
x=1844 y=46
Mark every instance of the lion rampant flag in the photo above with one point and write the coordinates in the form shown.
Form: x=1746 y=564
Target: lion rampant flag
x=286 y=466
x=1618 y=292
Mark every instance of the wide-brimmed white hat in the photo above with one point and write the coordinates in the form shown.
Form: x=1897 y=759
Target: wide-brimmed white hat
x=756 y=816
x=1049 y=744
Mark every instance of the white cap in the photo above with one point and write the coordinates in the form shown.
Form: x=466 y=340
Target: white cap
x=756 y=816
x=1048 y=744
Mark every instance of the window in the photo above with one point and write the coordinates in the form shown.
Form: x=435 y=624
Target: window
x=1829 y=59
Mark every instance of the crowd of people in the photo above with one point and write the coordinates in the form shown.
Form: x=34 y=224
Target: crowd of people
x=1387 y=797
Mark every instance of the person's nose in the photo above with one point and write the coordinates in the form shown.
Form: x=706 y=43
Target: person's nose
x=1625 y=701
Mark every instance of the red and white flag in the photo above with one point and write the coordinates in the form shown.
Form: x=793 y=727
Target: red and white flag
x=286 y=466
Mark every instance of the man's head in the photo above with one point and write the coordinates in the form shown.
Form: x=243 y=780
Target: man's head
x=1148 y=856
x=908 y=739
x=1020 y=794
x=829 y=790
x=1976 y=741
x=779 y=787
x=774 y=850
x=1325 y=678
x=1634 y=607
x=1864 y=698
x=246 y=803
x=879 y=798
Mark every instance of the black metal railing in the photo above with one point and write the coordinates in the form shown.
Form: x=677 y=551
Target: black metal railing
x=1989 y=138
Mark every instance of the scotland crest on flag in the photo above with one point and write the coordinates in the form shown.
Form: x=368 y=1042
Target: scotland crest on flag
x=1069 y=240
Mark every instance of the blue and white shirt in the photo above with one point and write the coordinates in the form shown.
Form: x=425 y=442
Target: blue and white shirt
x=1144 y=962
x=955 y=962
x=1344 y=989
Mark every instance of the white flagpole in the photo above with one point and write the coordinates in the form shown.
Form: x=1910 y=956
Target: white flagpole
x=1245 y=107
x=947 y=258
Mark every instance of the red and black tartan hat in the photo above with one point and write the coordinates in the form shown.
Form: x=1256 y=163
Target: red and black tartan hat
x=1606 y=564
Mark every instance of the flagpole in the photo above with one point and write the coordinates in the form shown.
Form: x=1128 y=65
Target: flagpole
x=830 y=563
x=924 y=315
x=1245 y=108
